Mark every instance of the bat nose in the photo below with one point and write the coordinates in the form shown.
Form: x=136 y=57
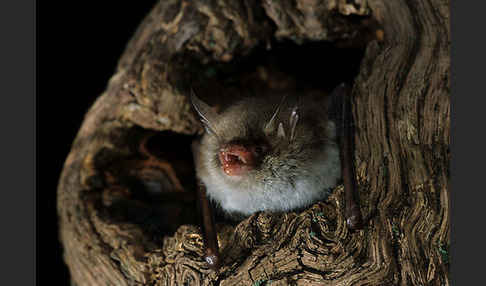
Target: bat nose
x=236 y=159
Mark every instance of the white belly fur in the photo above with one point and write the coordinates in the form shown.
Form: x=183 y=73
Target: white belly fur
x=277 y=196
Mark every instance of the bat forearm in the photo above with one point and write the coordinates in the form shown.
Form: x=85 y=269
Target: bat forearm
x=209 y=229
x=352 y=211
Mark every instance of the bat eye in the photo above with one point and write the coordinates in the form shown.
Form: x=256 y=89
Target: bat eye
x=259 y=150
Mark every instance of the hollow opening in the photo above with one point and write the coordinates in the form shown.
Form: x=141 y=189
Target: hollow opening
x=281 y=66
x=159 y=179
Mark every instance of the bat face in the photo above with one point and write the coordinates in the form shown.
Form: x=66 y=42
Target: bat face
x=267 y=154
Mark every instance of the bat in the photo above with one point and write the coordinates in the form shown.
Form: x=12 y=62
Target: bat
x=275 y=153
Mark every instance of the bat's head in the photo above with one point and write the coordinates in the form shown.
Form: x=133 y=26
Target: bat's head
x=270 y=153
x=259 y=136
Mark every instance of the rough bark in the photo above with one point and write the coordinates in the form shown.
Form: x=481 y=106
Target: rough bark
x=113 y=235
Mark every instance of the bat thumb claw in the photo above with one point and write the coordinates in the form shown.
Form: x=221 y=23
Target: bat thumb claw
x=354 y=221
x=212 y=260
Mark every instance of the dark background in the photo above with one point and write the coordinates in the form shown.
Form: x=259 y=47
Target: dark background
x=78 y=46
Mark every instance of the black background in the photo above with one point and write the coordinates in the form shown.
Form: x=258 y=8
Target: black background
x=78 y=46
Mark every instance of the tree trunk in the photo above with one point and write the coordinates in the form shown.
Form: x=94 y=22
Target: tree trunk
x=126 y=202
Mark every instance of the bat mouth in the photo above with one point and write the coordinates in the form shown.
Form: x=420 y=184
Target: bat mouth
x=236 y=160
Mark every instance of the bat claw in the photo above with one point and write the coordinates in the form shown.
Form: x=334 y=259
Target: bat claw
x=354 y=220
x=213 y=261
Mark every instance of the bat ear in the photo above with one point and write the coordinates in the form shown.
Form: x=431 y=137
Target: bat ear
x=207 y=115
x=270 y=126
x=294 y=117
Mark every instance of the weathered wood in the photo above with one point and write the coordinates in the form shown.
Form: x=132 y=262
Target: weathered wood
x=113 y=235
